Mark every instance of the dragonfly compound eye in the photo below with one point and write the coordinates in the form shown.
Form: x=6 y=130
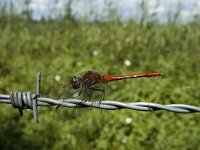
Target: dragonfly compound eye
x=75 y=83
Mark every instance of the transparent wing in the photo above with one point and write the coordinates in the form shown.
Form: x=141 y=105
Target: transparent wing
x=97 y=92
x=64 y=91
x=61 y=91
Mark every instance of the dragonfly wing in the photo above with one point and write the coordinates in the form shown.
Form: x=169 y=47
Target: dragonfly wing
x=98 y=91
x=63 y=91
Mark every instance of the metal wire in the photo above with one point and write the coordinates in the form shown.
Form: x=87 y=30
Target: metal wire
x=27 y=100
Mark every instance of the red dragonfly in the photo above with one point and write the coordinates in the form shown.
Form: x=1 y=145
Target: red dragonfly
x=89 y=81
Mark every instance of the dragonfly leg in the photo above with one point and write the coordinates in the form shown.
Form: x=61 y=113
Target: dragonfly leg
x=79 y=90
x=102 y=94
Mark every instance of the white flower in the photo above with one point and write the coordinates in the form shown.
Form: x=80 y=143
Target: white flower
x=127 y=62
x=95 y=53
x=125 y=140
x=128 y=120
x=57 y=77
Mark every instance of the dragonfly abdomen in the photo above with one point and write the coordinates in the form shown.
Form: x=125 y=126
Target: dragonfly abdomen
x=109 y=78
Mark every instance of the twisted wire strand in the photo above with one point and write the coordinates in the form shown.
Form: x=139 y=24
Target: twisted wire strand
x=107 y=105
x=27 y=100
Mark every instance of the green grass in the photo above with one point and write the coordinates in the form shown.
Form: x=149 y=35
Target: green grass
x=67 y=48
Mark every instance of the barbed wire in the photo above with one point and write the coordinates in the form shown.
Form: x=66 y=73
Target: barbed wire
x=28 y=100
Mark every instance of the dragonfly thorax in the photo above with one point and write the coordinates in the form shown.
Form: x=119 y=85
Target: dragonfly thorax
x=75 y=82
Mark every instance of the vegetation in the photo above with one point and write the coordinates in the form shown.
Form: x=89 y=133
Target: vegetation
x=66 y=47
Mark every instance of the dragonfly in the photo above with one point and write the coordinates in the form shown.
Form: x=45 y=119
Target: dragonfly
x=89 y=81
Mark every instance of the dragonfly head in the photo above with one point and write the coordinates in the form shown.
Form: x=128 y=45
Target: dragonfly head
x=75 y=82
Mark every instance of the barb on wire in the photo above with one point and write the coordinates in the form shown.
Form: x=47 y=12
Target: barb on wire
x=27 y=100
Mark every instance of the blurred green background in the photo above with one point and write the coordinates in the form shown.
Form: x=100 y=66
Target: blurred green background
x=65 y=47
